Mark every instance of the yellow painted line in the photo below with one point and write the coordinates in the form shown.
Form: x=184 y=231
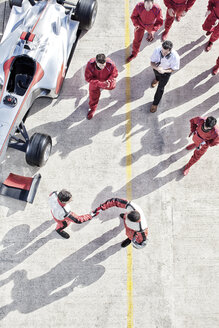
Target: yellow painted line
x=128 y=165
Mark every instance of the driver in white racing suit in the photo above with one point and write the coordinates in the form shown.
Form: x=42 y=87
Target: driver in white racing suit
x=62 y=214
x=134 y=221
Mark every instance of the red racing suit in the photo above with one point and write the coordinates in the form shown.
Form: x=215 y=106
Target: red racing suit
x=149 y=21
x=135 y=231
x=211 y=139
x=178 y=6
x=62 y=214
x=98 y=79
x=210 y=22
x=217 y=63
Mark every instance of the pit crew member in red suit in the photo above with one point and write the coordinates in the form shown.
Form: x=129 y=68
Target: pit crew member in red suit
x=205 y=134
x=175 y=9
x=134 y=221
x=216 y=67
x=62 y=214
x=147 y=16
x=211 y=24
x=101 y=73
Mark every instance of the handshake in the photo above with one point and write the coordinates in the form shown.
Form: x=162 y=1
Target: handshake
x=112 y=202
x=96 y=212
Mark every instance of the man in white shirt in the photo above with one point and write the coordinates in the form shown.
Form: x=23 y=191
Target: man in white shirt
x=164 y=61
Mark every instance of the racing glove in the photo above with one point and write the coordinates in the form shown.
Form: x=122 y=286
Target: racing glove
x=103 y=85
x=96 y=212
x=112 y=84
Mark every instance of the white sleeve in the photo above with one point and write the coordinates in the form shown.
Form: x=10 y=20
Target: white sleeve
x=175 y=63
x=154 y=57
x=67 y=208
x=138 y=208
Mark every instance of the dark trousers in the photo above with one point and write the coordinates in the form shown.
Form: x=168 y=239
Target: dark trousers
x=163 y=79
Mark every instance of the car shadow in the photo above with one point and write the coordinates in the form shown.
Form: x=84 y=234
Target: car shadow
x=5 y=9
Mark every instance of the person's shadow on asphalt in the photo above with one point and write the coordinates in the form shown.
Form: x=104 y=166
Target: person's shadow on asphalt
x=107 y=118
x=18 y=244
x=78 y=270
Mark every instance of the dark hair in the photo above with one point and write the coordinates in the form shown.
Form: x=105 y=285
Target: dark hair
x=148 y=0
x=101 y=58
x=64 y=196
x=167 y=45
x=134 y=216
x=210 y=122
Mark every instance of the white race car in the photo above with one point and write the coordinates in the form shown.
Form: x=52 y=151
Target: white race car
x=35 y=52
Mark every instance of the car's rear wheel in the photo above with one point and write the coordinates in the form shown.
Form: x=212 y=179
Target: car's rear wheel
x=85 y=13
x=17 y=3
x=38 y=149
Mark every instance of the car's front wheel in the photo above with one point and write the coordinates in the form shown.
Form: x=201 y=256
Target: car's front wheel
x=85 y=13
x=38 y=149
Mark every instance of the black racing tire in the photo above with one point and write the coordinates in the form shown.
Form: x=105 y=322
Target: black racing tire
x=17 y=3
x=85 y=13
x=38 y=149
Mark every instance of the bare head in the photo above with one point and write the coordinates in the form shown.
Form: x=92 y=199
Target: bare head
x=148 y=4
x=101 y=61
x=166 y=48
x=64 y=196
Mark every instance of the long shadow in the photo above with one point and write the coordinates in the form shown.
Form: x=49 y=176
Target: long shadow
x=73 y=88
x=103 y=120
x=146 y=182
x=16 y=241
x=5 y=12
x=75 y=84
x=187 y=47
x=170 y=134
x=106 y=118
x=136 y=81
x=188 y=91
x=76 y=270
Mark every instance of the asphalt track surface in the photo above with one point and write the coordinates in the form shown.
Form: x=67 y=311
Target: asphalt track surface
x=124 y=151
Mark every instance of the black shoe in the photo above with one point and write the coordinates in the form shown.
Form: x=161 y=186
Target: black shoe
x=63 y=234
x=122 y=215
x=130 y=58
x=126 y=242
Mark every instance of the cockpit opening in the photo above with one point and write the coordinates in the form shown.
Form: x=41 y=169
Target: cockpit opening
x=21 y=74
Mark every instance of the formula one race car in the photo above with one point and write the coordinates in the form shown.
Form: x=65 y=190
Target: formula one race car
x=35 y=52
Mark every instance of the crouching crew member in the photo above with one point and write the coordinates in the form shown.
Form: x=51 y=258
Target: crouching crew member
x=211 y=24
x=205 y=134
x=134 y=221
x=62 y=214
x=147 y=16
x=101 y=73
